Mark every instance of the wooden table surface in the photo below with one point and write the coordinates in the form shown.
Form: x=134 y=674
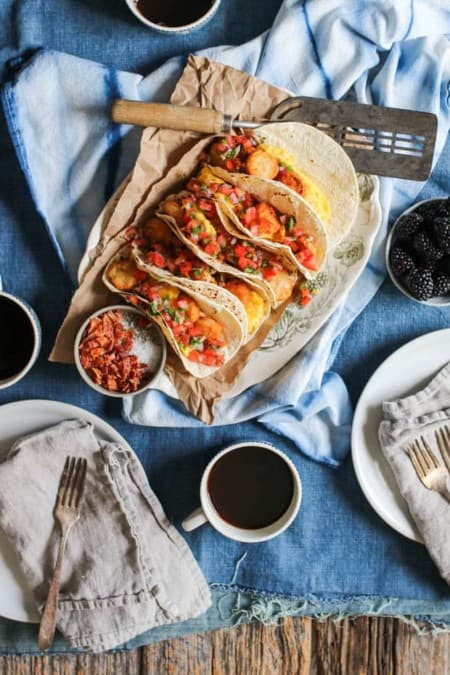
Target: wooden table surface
x=296 y=646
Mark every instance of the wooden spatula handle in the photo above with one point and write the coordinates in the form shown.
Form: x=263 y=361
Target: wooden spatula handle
x=167 y=116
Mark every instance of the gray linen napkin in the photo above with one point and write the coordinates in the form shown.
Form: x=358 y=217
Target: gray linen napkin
x=404 y=420
x=126 y=568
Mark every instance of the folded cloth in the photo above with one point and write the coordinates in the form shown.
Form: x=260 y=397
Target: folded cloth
x=126 y=569
x=404 y=420
x=384 y=52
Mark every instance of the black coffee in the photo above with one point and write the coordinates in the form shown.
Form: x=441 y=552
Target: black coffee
x=16 y=338
x=251 y=487
x=173 y=12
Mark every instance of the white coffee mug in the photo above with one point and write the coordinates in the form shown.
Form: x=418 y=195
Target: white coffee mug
x=208 y=513
x=37 y=334
x=186 y=28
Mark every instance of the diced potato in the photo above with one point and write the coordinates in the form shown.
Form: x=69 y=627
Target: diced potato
x=261 y=164
x=158 y=231
x=123 y=274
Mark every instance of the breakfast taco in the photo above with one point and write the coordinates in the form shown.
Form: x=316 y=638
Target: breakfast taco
x=201 y=227
x=205 y=335
x=268 y=214
x=304 y=160
x=158 y=250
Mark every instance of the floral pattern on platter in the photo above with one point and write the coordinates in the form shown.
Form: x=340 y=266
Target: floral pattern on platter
x=343 y=266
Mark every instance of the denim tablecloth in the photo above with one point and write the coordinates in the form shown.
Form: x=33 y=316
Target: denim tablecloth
x=339 y=557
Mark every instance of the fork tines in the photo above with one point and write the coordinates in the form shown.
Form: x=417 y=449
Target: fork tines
x=422 y=457
x=443 y=440
x=72 y=484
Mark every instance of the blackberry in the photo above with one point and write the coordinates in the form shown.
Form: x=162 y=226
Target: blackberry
x=444 y=264
x=408 y=226
x=441 y=228
x=429 y=210
x=441 y=283
x=420 y=284
x=401 y=261
x=444 y=209
x=424 y=245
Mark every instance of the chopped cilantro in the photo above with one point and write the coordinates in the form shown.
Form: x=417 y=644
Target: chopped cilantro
x=290 y=223
x=234 y=152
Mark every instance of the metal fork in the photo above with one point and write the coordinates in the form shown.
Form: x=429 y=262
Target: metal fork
x=429 y=469
x=443 y=441
x=67 y=511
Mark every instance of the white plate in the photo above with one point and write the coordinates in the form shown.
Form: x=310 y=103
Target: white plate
x=405 y=372
x=16 y=420
x=298 y=324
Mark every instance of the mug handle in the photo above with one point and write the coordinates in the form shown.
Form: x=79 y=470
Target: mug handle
x=194 y=520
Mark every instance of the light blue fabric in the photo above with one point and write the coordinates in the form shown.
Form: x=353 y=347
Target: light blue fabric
x=393 y=53
x=338 y=557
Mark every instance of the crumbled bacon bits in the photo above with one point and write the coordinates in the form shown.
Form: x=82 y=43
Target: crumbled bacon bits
x=105 y=354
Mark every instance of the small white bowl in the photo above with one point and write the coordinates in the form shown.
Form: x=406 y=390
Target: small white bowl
x=432 y=302
x=187 y=28
x=159 y=338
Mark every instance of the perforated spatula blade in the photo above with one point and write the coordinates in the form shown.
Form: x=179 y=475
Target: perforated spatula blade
x=382 y=141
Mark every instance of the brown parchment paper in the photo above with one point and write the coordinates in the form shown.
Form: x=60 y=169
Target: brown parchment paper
x=165 y=159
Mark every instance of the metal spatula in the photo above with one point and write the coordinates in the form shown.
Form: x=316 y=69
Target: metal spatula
x=382 y=141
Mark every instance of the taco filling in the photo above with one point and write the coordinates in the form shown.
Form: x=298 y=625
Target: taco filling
x=196 y=216
x=200 y=338
x=161 y=248
x=258 y=217
x=248 y=154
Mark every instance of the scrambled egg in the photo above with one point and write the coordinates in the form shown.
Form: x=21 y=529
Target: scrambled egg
x=311 y=192
x=252 y=301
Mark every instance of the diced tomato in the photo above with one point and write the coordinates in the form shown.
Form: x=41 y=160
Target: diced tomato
x=177 y=329
x=249 y=215
x=205 y=204
x=194 y=356
x=240 y=250
x=242 y=263
x=225 y=189
x=306 y=296
x=209 y=357
x=269 y=273
x=184 y=339
x=195 y=331
x=229 y=164
x=185 y=268
x=307 y=258
x=212 y=248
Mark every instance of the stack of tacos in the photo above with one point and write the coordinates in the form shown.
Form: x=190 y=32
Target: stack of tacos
x=253 y=223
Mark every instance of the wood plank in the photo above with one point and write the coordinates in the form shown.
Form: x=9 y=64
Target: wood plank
x=295 y=646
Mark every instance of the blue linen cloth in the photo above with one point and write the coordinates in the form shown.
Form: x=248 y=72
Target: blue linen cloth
x=338 y=558
x=396 y=54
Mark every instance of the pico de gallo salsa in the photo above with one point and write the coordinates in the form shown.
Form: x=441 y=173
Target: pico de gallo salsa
x=196 y=215
x=243 y=154
x=259 y=217
x=199 y=337
x=161 y=248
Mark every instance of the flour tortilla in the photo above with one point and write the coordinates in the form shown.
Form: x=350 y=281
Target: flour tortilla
x=286 y=201
x=325 y=162
x=233 y=329
x=260 y=284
